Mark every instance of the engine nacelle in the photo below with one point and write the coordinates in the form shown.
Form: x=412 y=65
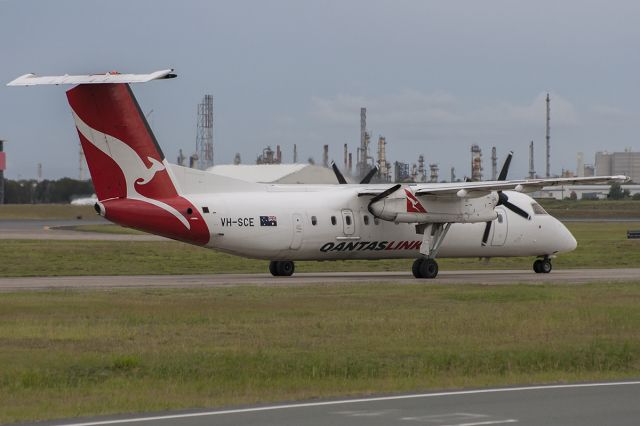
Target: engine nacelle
x=403 y=206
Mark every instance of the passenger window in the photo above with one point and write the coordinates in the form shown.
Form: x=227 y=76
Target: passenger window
x=333 y=220
x=537 y=209
x=366 y=219
x=314 y=220
x=499 y=218
x=347 y=220
x=376 y=221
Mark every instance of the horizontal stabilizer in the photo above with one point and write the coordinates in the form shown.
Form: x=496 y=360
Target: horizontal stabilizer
x=108 y=78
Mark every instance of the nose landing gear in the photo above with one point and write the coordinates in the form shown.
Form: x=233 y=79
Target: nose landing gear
x=281 y=268
x=542 y=266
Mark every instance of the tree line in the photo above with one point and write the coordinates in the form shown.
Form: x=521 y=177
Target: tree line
x=30 y=191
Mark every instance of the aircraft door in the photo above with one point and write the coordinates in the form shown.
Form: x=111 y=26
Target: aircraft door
x=348 y=224
x=500 y=228
x=298 y=228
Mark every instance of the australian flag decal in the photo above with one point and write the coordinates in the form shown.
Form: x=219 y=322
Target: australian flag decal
x=268 y=221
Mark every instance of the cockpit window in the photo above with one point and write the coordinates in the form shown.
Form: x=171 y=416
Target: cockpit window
x=537 y=209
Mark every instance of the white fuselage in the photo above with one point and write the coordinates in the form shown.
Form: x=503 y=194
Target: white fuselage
x=320 y=222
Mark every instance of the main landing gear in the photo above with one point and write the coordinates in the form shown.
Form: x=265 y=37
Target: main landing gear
x=281 y=268
x=542 y=266
x=432 y=237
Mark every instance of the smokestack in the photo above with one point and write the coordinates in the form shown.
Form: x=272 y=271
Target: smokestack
x=278 y=155
x=346 y=157
x=325 y=156
x=453 y=174
x=548 y=137
x=350 y=168
x=494 y=164
x=532 y=171
x=295 y=153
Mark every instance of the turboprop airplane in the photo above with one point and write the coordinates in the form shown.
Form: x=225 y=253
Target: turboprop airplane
x=137 y=188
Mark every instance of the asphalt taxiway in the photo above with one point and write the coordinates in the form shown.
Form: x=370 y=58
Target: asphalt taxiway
x=63 y=230
x=485 y=277
x=584 y=404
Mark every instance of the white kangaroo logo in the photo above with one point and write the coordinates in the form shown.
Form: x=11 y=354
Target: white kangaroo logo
x=134 y=169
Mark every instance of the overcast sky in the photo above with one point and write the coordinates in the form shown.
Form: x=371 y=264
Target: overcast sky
x=436 y=76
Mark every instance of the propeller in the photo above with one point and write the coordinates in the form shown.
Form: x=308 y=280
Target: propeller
x=370 y=175
x=338 y=173
x=505 y=167
x=382 y=195
x=343 y=181
x=503 y=200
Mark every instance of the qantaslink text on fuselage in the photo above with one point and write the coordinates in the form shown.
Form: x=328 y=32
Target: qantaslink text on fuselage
x=370 y=246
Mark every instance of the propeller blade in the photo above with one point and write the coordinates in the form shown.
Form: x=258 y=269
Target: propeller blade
x=517 y=210
x=385 y=193
x=503 y=200
x=369 y=175
x=339 y=175
x=485 y=235
x=505 y=167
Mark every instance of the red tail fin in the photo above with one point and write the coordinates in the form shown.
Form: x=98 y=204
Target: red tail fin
x=122 y=154
x=130 y=175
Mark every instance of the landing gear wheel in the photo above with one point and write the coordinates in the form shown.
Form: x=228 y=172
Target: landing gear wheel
x=536 y=266
x=429 y=268
x=285 y=268
x=542 y=266
x=273 y=268
x=416 y=267
x=425 y=268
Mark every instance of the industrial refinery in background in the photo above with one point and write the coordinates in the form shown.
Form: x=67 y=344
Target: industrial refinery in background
x=358 y=163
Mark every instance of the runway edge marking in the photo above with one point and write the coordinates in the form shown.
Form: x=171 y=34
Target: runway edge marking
x=347 y=401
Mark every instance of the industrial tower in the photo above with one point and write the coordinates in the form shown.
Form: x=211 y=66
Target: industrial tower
x=363 y=158
x=548 y=137
x=532 y=170
x=383 y=165
x=476 y=163
x=204 y=138
x=494 y=163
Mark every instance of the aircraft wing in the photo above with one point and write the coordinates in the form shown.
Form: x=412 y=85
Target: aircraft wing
x=478 y=189
x=475 y=189
x=110 y=77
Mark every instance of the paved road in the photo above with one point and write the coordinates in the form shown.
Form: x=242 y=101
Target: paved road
x=55 y=230
x=569 y=276
x=577 y=404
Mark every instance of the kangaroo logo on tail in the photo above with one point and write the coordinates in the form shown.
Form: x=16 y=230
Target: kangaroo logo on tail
x=134 y=169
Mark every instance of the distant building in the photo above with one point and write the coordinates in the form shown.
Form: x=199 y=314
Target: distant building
x=587 y=192
x=618 y=163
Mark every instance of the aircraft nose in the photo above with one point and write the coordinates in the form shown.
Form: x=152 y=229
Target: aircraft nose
x=567 y=240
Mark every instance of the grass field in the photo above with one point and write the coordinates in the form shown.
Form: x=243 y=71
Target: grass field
x=592 y=209
x=108 y=228
x=45 y=211
x=600 y=245
x=74 y=353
